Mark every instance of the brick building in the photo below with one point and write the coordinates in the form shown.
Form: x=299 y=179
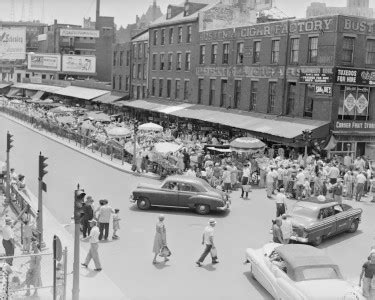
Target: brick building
x=121 y=68
x=139 y=71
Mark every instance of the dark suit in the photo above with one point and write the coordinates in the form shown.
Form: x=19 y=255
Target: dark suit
x=88 y=214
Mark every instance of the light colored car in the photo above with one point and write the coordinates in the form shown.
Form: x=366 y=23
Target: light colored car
x=299 y=272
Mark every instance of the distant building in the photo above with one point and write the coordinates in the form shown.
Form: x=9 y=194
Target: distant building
x=360 y=8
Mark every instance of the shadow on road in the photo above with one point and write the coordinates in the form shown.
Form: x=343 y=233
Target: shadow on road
x=161 y=265
x=257 y=286
x=338 y=239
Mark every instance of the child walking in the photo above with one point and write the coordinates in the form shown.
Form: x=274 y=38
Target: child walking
x=116 y=224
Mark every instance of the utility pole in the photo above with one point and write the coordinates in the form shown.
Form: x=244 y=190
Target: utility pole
x=307 y=137
x=79 y=195
x=41 y=187
x=135 y=142
x=9 y=146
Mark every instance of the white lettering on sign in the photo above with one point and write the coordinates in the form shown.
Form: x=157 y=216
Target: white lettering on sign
x=358 y=26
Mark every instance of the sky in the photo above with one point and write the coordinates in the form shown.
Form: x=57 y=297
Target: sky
x=124 y=11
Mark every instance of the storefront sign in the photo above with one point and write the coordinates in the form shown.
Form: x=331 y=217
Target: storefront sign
x=79 y=63
x=323 y=90
x=316 y=75
x=42 y=37
x=355 y=76
x=79 y=33
x=357 y=25
x=45 y=62
x=13 y=43
x=354 y=125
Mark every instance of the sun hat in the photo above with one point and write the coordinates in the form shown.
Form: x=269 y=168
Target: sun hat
x=211 y=221
x=93 y=221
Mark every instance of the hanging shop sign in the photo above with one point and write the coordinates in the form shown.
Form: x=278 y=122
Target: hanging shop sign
x=323 y=90
x=316 y=75
x=355 y=76
x=346 y=125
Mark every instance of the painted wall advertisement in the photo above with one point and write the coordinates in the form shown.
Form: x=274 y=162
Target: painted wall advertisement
x=79 y=63
x=355 y=76
x=79 y=33
x=13 y=43
x=45 y=62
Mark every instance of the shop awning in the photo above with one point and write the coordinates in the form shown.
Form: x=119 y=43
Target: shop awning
x=107 y=98
x=38 y=95
x=165 y=107
x=38 y=87
x=13 y=92
x=81 y=93
x=4 y=85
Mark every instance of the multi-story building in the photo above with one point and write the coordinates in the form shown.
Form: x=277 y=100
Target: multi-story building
x=139 y=67
x=360 y=8
x=121 y=68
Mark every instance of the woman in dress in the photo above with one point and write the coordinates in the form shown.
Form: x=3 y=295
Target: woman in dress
x=318 y=185
x=348 y=183
x=33 y=274
x=160 y=239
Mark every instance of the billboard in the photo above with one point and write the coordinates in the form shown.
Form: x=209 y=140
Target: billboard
x=79 y=63
x=45 y=62
x=13 y=43
x=79 y=32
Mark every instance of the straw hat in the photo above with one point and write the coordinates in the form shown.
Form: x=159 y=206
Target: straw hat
x=212 y=221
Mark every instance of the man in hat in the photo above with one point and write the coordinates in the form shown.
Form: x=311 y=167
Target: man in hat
x=88 y=214
x=94 y=246
x=104 y=216
x=280 y=203
x=208 y=241
x=8 y=240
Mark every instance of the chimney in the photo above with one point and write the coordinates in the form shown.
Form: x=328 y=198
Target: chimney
x=154 y=3
x=97 y=13
x=136 y=19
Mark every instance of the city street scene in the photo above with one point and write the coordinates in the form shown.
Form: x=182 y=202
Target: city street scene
x=187 y=149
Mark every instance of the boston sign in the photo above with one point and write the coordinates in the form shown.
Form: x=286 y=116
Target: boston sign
x=355 y=76
x=343 y=125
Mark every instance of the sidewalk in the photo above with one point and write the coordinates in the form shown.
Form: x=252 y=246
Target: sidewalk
x=105 y=159
x=93 y=285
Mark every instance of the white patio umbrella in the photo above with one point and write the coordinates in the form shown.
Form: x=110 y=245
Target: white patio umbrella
x=61 y=109
x=166 y=147
x=88 y=126
x=150 y=127
x=118 y=132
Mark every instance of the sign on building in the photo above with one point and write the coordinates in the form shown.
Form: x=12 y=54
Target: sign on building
x=355 y=76
x=42 y=37
x=79 y=63
x=316 y=75
x=13 y=43
x=44 y=62
x=347 y=125
x=79 y=33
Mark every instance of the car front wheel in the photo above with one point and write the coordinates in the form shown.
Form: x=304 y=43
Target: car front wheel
x=143 y=203
x=202 y=209
x=353 y=226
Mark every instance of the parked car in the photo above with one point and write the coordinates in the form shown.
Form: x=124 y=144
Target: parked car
x=313 y=221
x=181 y=191
x=299 y=272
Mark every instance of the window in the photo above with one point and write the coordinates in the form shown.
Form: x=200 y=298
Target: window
x=169 y=83
x=200 y=90
x=271 y=97
x=121 y=58
x=134 y=50
x=138 y=92
x=213 y=54
x=291 y=98
x=113 y=82
x=144 y=70
x=127 y=58
x=154 y=61
x=162 y=38
x=308 y=105
x=177 y=89
x=120 y=82
x=240 y=49
x=169 y=12
x=294 y=50
x=144 y=92
x=370 y=52
x=139 y=71
x=211 y=98
x=145 y=50
x=114 y=58
x=170 y=39
x=179 y=35
x=134 y=71
x=253 y=95
x=202 y=54
x=178 y=61
x=313 y=50
x=188 y=35
x=187 y=61
x=170 y=60
x=237 y=93
x=162 y=62
x=275 y=51
x=223 y=92
x=225 y=53
x=161 y=82
x=347 y=50
x=140 y=52
x=126 y=83
x=186 y=89
x=155 y=37
x=354 y=103
x=256 y=54
x=153 y=87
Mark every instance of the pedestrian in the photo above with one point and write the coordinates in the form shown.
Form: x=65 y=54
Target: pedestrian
x=367 y=277
x=280 y=203
x=245 y=180
x=88 y=214
x=337 y=191
x=269 y=182
x=333 y=174
x=286 y=228
x=116 y=224
x=160 y=239
x=33 y=274
x=104 y=216
x=94 y=246
x=26 y=236
x=8 y=240
x=226 y=180
x=277 y=232
x=360 y=180
x=348 y=183
x=208 y=241
x=300 y=181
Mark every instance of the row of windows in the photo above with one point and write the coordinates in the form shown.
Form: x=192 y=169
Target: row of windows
x=159 y=37
x=165 y=62
x=137 y=71
x=347 y=55
x=121 y=58
x=178 y=92
x=117 y=83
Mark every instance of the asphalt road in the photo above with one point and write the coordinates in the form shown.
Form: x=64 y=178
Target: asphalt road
x=127 y=261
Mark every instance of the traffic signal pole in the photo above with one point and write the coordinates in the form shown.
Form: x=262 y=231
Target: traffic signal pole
x=41 y=187
x=8 y=179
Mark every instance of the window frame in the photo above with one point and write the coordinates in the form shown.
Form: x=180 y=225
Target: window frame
x=187 y=61
x=202 y=54
x=312 y=59
x=347 y=51
x=200 y=90
x=294 y=53
x=256 y=52
x=275 y=51
x=189 y=32
x=214 y=50
x=372 y=52
x=272 y=90
x=225 y=58
x=240 y=53
x=254 y=84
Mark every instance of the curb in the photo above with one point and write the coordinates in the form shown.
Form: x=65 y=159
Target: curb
x=68 y=145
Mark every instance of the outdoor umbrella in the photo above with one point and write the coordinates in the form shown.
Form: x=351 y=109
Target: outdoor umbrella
x=99 y=116
x=88 y=126
x=61 y=109
x=66 y=120
x=15 y=101
x=150 y=127
x=246 y=144
x=118 y=132
x=166 y=147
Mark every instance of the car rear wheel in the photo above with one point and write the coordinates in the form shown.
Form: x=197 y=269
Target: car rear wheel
x=202 y=209
x=353 y=226
x=317 y=241
x=143 y=203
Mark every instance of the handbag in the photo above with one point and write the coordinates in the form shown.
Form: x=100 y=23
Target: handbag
x=134 y=168
x=165 y=252
x=213 y=252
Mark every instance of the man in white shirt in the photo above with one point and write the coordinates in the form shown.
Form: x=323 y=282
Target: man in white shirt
x=300 y=182
x=246 y=173
x=280 y=203
x=104 y=216
x=333 y=174
x=361 y=180
x=208 y=241
x=286 y=228
x=8 y=240
x=269 y=182
x=94 y=246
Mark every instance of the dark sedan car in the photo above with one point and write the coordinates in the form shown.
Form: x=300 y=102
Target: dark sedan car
x=181 y=191
x=314 y=221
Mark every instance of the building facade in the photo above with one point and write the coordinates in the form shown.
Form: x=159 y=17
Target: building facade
x=121 y=68
x=360 y=8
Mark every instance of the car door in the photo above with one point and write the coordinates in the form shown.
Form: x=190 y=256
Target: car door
x=328 y=222
x=168 y=195
x=185 y=192
x=342 y=219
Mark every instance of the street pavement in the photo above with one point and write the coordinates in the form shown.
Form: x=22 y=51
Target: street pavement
x=128 y=261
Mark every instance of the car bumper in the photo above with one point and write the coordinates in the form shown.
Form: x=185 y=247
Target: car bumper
x=223 y=208
x=131 y=199
x=299 y=239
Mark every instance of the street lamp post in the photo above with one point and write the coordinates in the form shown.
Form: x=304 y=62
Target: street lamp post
x=135 y=142
x=307 y=137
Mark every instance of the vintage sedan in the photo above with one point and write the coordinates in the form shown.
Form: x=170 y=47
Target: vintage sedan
x=181 y=191
x=313 y=220
x=299 y=272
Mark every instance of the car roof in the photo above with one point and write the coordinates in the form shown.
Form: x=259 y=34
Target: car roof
x=184 y=178
x=316 y=204
x=303 y=256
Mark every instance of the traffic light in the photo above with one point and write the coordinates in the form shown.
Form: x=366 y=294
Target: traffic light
x=136 y=124
x=79 y=196
x=9 y=141
x=42 y=166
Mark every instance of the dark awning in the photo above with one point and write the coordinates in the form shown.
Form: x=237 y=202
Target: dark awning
x=107 y=98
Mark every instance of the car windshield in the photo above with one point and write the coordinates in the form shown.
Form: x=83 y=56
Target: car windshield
x=305 y=212
x=316 y=273
x=205 y=184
